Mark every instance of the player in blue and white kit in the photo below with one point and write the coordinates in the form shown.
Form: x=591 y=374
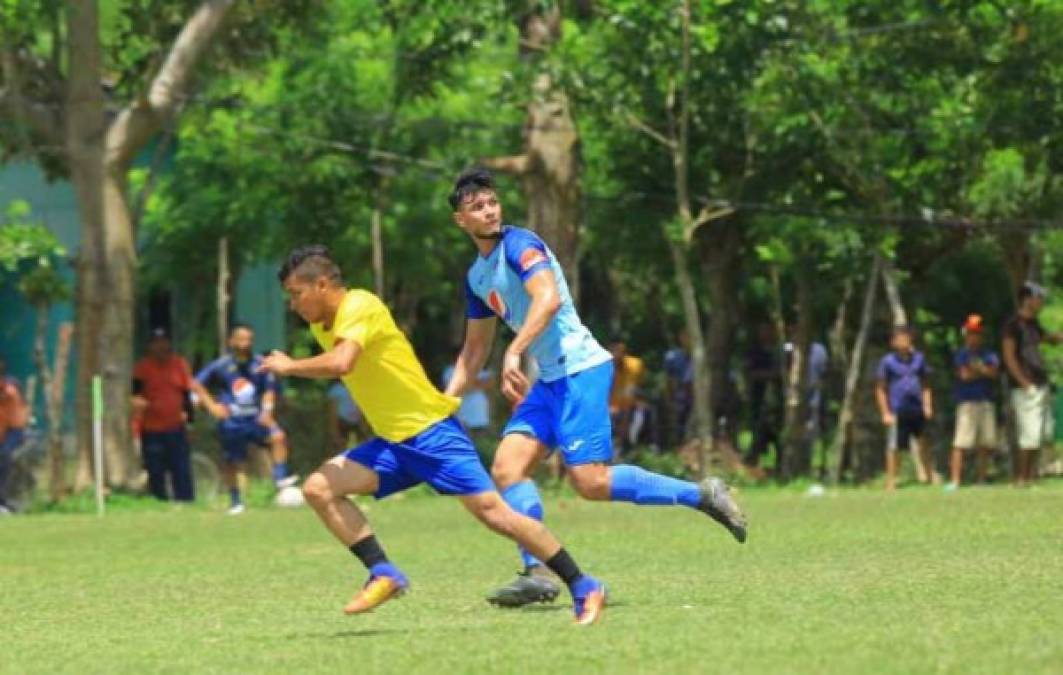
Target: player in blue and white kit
x=242 y=399
x=517 y=278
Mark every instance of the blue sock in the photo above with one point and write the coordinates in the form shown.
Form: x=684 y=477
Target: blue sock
x=639 y=486
x=523 y=497
x=234 y=497
x=280 y=470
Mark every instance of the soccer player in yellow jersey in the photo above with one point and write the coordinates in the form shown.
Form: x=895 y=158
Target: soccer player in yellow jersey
x=417 y=438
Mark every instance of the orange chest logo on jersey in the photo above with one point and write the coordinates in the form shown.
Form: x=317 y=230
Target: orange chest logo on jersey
x=497 y=304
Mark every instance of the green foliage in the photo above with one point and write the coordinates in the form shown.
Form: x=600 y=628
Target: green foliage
x=31 y=251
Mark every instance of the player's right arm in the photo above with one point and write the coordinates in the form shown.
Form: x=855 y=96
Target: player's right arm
x=202 y=394
x=882 y=395
x=335 y=363
x=479 y=337
x=1011 y=360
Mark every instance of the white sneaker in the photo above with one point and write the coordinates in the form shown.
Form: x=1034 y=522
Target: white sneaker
x=236 y=509
x=951 y=487
x=287 y=481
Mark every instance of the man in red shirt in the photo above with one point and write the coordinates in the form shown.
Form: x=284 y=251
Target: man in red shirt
x=162 y=381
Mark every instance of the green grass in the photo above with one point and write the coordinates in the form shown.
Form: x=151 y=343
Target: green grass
x=856 y=581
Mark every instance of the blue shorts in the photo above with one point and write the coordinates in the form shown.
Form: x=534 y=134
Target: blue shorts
x=442 y=456
x=236 y=437
x=571 y=413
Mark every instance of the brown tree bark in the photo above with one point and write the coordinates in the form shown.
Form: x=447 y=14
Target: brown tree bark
x=84 y=134
x=54 y=403
x=549 y=168
x=795 y=438
x=845 y=418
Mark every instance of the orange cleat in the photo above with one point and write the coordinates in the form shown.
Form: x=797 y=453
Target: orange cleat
x=376 y=592
x=590 y=608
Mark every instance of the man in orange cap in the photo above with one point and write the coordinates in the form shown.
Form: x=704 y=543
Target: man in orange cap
x=976 y=368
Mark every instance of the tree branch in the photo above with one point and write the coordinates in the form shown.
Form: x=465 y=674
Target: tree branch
x=517 y=165
x=145 y=116
x=638 y=124
x=35 y=115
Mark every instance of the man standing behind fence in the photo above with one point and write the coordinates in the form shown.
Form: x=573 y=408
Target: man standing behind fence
x=1028 y=376
x=976 y=416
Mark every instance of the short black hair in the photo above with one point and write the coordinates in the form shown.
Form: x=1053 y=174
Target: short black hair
x=469 y=183
x=310 y=263
x=1031 y=289
x=240 y=325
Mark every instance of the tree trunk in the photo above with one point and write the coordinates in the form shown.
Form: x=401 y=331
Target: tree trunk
x=889 y=281
x=702 y=412
x=720 y=256
x=798 y=452
x=845 y=417
x=54 y=405
x=84 y=133
x=1015 y=247
x=376 y=235
x=223 y=295
x=550 y=166
x=839 y=352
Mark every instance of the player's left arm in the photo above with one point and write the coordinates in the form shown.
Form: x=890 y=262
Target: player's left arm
x=269 y=402
x=928 y=393
x=334 y=363
x=545 y=301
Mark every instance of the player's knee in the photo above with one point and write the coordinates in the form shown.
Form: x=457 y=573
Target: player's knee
x=505 y=474
x=591 y=483
x=316 y=489
x=496 y=516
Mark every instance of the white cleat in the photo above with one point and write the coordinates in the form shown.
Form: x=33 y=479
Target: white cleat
x=236 y=509
x=287 y=481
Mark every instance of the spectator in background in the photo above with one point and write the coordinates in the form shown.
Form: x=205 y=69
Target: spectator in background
x=818 y=362
x=1028 y=375
x=346 y=423
x=679 y=385
x=475 y=410
x=14 y=417
x=626 y=407
x=764 y=379
x=976 y=416
x=244 y=407
x=906 y=404
x=162 y=383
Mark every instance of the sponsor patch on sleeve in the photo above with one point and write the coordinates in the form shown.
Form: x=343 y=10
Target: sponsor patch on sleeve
x=530 y=258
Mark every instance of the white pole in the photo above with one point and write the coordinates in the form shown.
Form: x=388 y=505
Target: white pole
x=97 y=439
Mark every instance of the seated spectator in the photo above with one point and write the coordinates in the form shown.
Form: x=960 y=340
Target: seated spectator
x=906 y=404
x=14 y=417
x=162 y=382
x=976 y=416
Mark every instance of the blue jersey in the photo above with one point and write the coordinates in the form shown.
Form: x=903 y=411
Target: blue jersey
x=238 y=386
x=495 y=286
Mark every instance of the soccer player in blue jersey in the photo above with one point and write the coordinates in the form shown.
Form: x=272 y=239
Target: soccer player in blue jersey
x=244 y=408
x=517 y=278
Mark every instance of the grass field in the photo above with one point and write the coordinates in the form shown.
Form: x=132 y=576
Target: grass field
x=852 y=582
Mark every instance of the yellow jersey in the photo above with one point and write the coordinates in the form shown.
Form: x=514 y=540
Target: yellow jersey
x=387 y=382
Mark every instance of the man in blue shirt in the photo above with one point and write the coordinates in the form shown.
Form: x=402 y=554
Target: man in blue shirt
x=976 y=417
x=517 y=278
x=906 y=404
x=244 y=408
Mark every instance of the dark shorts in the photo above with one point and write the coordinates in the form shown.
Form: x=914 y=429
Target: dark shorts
x=236 y=438
x=906 y=426
x=442 y=456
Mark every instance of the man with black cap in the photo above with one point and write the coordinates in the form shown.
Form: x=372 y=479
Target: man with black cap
x=1028 y=376
x=162 y=382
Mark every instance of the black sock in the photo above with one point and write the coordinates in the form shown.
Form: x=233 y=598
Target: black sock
x=369 y=551
x=564 y=566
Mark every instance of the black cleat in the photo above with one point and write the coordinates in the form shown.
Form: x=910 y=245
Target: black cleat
x=716 y=502
x=527 y=588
